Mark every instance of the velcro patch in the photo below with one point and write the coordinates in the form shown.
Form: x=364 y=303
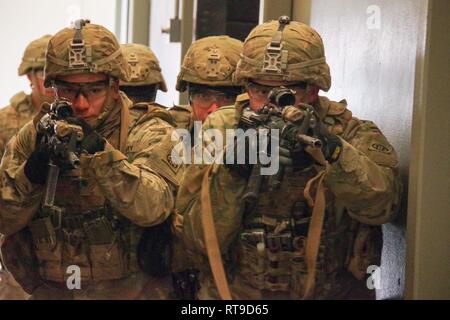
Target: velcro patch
x=380 y=148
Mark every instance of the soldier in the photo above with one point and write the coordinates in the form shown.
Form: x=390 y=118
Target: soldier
x=145 y=74
x=207 y=75
x=23 y=106
x=83 y=242
x=313 y=234
x=13 y=117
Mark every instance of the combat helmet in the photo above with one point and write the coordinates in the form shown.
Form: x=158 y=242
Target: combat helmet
x=284 y=50
x=143 y=66
x=84 y=48
x=210 y=61
x=34 y=55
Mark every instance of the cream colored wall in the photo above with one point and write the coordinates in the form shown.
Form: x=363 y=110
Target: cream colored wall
x=428 y=239
x=169 y=54
x=371 y=49
x=22 y=21
x=390 y=60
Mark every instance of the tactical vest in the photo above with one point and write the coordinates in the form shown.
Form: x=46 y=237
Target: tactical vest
x=89 y=233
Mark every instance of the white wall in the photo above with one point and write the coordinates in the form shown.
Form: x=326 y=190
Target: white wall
x=371 y=47
x=168 y=54
x=22 y=21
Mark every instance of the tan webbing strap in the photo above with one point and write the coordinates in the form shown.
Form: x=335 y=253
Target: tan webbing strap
x=124 y=126
x=314 y=231
x=211 y=242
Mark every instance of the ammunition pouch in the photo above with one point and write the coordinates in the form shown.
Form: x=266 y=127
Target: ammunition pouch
x=274 y=260
x=93 y=241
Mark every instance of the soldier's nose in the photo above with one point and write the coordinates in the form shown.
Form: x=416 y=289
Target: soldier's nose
x=80 y=104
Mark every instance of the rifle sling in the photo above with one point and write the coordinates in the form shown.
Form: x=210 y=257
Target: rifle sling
x=211 y=242
x=315 y=230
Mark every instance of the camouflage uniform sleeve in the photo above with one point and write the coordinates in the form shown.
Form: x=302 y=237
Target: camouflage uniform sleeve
x=140 y=185
x=365 y=177
x=19 y=199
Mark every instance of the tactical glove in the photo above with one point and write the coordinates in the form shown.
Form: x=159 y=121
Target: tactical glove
x=36 y=167
x=296 y=158
x=331 y=146
x=92 y=142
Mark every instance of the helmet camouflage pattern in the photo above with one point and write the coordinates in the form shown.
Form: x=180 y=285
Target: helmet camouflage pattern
x=34 y=55
x=210 y=61
x=84 y=48
x=284 y=50
x=143 y=65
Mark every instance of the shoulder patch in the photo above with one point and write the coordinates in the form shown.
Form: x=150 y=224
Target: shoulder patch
x=172 y=163
x=381 y=148
x=371 y=141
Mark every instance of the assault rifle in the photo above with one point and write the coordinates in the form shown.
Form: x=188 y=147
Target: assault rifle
x=292 y=136
x=63 y=143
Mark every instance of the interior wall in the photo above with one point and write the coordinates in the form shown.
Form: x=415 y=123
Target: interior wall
x=168 y=53
x=371 y=48
x=22 y=21
x=428 y=240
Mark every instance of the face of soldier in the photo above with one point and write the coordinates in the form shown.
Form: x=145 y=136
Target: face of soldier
x=39 y=93
x=258 y=91
x=87 y=92
x=207 y=101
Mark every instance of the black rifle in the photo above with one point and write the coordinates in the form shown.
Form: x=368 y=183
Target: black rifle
x=63 y=142
x=292 y=136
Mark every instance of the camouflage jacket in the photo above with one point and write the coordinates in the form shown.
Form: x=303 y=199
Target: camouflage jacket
x=14 y=117
x=363 y=191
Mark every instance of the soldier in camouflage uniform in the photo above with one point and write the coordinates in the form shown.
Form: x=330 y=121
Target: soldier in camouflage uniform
x=13 y=117
x=207 y=73
x=23 y=106
x=145 y=74
x=125 y=181
x=314 y=235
